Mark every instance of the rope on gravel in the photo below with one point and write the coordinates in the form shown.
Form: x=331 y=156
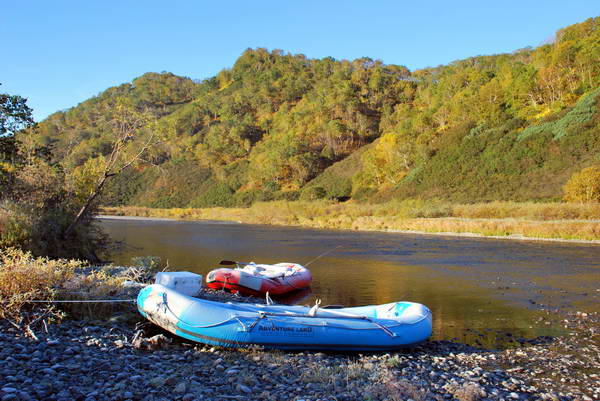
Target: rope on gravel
x=56 y=301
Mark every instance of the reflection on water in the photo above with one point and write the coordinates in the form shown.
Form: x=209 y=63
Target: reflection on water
x=295 y=297
x=475 y=288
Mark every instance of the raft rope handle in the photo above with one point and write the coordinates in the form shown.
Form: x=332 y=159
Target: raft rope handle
x=164 y=302
x=263 y=314
x=380 y=325
x=340 y=327
x=383 y=327
x=244 y=327
x=344 y=316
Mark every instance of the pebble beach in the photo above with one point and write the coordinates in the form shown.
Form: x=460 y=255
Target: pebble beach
x=129 y=359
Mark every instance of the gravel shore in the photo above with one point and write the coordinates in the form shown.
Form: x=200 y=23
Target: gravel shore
x=116 y=360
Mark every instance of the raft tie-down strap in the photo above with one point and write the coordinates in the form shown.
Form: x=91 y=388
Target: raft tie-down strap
x=382 y=327
x=261 y=315
x=340 y=316
x=264 y=314
x=166 y=304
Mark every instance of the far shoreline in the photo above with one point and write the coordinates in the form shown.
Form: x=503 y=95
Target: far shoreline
x=473 y=235
x=139 y=218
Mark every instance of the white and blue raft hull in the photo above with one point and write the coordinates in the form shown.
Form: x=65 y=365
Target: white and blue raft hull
x=231 y=324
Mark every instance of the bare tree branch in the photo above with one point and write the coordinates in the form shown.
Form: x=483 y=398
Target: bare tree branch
x=128 y=123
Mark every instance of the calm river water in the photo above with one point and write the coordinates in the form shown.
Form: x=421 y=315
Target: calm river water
x=481 y=291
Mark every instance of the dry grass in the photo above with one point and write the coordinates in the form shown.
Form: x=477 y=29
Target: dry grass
x=25 y=278
x=529 y=210
x=371 y=380
x=539 y=220
x=467 y=392
x=398 y=389
x=568 y=230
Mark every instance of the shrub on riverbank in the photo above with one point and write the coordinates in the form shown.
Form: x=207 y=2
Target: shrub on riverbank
x=25 y=278
x=39 y=198
x=36 y=211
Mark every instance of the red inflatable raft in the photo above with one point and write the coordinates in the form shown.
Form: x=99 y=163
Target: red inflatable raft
x=258 y=279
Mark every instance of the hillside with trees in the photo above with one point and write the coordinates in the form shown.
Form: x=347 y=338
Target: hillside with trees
x=277 y=126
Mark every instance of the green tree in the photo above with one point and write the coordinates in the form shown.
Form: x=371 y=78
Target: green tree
x=15 y=115
x=37 y=204
x=476 y=129
x=128 y=147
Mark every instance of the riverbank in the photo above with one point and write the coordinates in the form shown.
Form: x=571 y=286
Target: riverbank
x=506 y=220
x=107 y=360
x=114 y=354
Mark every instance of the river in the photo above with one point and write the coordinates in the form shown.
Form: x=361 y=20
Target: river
x=484 y=292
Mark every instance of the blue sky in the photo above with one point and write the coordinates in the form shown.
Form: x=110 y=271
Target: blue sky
x=59 y=53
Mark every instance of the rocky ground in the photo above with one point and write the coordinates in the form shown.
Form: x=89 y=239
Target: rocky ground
x=86 y=360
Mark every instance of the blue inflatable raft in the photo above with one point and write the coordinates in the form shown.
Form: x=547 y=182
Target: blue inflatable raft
x=232 y=324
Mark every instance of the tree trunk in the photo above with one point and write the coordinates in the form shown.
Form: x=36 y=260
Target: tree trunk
x=86 y=206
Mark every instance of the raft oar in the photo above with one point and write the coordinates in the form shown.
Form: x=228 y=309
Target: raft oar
x=231 y=263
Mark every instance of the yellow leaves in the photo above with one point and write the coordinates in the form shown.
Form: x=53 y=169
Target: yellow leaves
x=387 y=146
x=441 y=118
x=386 y=163
x=224 y=79
x=583 y=186
x=126 y=120
x=7 y=167
x=84 y=178
x=555 y=107
x=545 y=110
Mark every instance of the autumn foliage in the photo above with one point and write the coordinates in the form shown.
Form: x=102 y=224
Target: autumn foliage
x=25 y=278
x=583 y=186
x=277 y=126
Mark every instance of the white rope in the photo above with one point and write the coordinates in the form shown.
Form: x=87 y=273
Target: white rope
x=56 y=301
x=268 y=315
x=333 y=325
x=323 y=254
x=167 y=307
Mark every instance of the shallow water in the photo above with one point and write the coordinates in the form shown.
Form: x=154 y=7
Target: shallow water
x=481 y=291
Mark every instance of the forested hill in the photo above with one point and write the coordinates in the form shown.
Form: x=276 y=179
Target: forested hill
x=280 y=126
